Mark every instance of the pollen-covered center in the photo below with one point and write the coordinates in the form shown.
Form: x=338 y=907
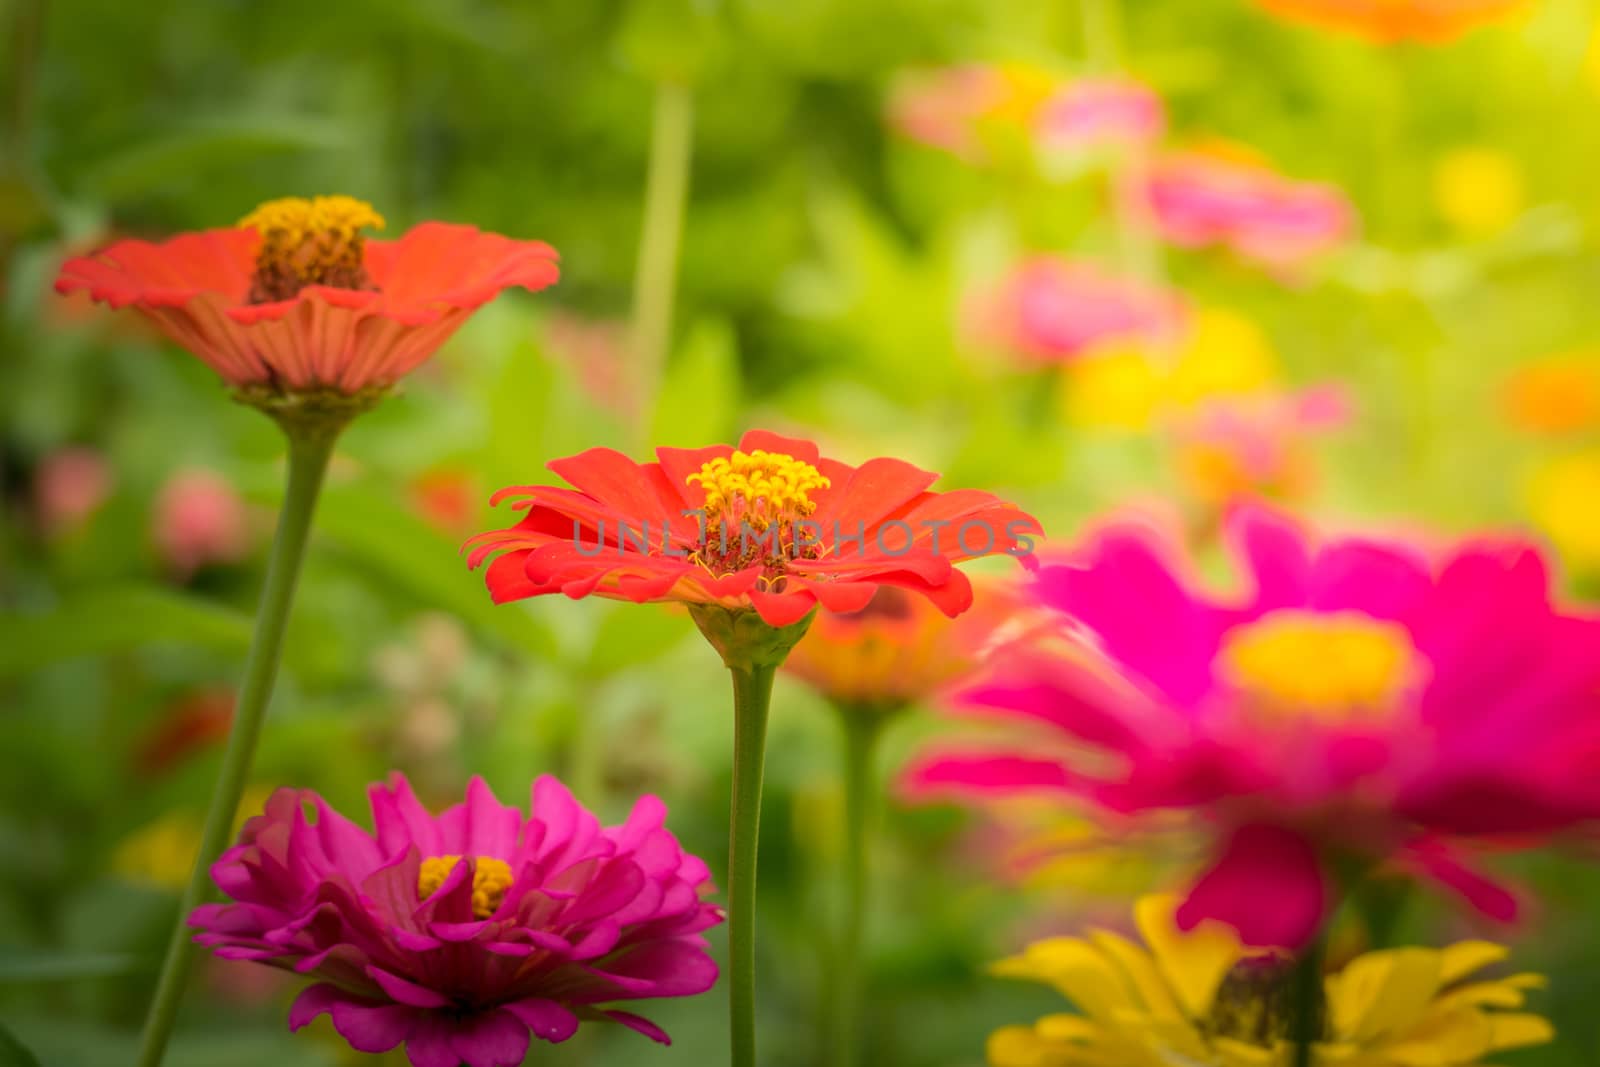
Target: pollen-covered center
x=490 y=879
x=1332 y=666
x=1254 y=1003
x=754 y=509
x=309 y=242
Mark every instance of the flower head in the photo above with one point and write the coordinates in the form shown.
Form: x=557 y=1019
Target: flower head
x=199 y=520
x=1389 y=21
x=897 y=650
x=1226 y=195
x=1051 y=310
x=1359 y=702
x=296 y=300
x=457 y=934
x=1254 y=444
x=1202 y=998
x=1556 y=395
x=770 y=526
x=69 y=487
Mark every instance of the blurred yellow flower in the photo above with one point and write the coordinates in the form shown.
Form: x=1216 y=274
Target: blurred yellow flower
x=1564 y=501
x=1128 y=385
x=161 y=853
x=1478 y=191
x=1197 y=999
x=1560 y=394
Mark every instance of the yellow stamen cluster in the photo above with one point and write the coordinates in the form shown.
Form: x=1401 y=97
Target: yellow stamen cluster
x=757 y=488
x=309 y=242
x=490 y=880
x=1332 y=666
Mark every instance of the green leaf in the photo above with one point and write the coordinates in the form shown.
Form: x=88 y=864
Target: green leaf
x=631 y=634
x=701 y=393
x=32 y=967
x=410 y=555
x=13 y=1053
x=118 y=620
x=208 y=146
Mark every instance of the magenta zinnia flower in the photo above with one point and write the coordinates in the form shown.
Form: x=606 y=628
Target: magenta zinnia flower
x=460 y=933
x=1359 y=704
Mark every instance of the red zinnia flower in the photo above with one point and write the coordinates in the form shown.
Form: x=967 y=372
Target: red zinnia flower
x=770 y=526
x=294 y=300
x=1387 y=21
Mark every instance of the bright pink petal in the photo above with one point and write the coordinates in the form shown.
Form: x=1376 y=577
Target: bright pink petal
x=1267 y=884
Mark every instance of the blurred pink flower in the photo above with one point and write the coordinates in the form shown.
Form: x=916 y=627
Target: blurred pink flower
x=460 y=933
x=1090 y=112
x=1359 y=704
x=69 y=486
x=1256 y=444
x=959 y=109
x=1051 y=310
x=1226 y=196
x=596 y=351
x=200 y=520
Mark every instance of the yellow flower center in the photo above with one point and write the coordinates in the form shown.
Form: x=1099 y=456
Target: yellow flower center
x=747 y=495
x=1333 y=666
x=490 y=880
x=309 y=242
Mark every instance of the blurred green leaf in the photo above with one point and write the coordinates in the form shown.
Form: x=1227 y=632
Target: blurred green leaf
x=700 y=396
x=408 y=554
x=186 y=152
x=30 y=966
x=633 y=634
x=669 y=40
x=117 y=620
x=13 y=1053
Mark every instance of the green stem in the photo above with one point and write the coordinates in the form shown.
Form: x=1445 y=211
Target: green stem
x=665 y=196
x=752 y=696
x=862 y=728
x=1305 y=1022
x=309 y=451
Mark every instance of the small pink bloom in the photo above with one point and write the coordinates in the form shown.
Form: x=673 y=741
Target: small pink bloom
x=1091 y=112
x=200 y=520
x=1201 y=198
x=596 y=352
x=1256 y=444
x=69 y=486
x=459 y=934
x=1358 y=700
x=1051 y=310
x=940 y=108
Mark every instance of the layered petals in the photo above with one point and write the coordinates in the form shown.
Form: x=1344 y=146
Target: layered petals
x=1355 y=699
x=462 y=933
x=769 y=526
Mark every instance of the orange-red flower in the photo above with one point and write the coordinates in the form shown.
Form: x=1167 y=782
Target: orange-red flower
x=770 y=526
x=899 y=649
x=294 y=299
x=1386 y=21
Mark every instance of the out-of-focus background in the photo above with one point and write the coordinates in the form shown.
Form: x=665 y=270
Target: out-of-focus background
x=1087 y=257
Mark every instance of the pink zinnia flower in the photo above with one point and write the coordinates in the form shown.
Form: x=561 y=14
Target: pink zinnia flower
x=1357 y=705
x=460 y=933
x=200 y=519
x=1090 y=112
x=1050 y=310
x=1228 y=197
x=69 y=486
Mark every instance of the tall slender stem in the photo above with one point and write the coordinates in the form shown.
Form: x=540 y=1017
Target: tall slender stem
x=309 y=450
x=1305 y=1022
x=862 y=728
x=656 y=280
x=752 y=696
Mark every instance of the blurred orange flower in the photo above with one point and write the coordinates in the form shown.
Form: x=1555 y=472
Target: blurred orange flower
x=899 y=649
x=1557 y=395
x=295 y=299
x=1388 y=21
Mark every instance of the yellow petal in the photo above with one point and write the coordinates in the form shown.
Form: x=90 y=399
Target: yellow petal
x=1444 y=1040
x=1193 y=963
x=1140 y=970
x=1502 y=994
x=1464 y=957
x=1383 y=992
x=1518 y=1030
x=1077 y=970
x=1017 y=1046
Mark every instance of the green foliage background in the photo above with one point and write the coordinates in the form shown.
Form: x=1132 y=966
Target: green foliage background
x=822 y=269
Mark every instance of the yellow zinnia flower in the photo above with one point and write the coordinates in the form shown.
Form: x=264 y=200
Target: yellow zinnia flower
x=1199 y=1000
